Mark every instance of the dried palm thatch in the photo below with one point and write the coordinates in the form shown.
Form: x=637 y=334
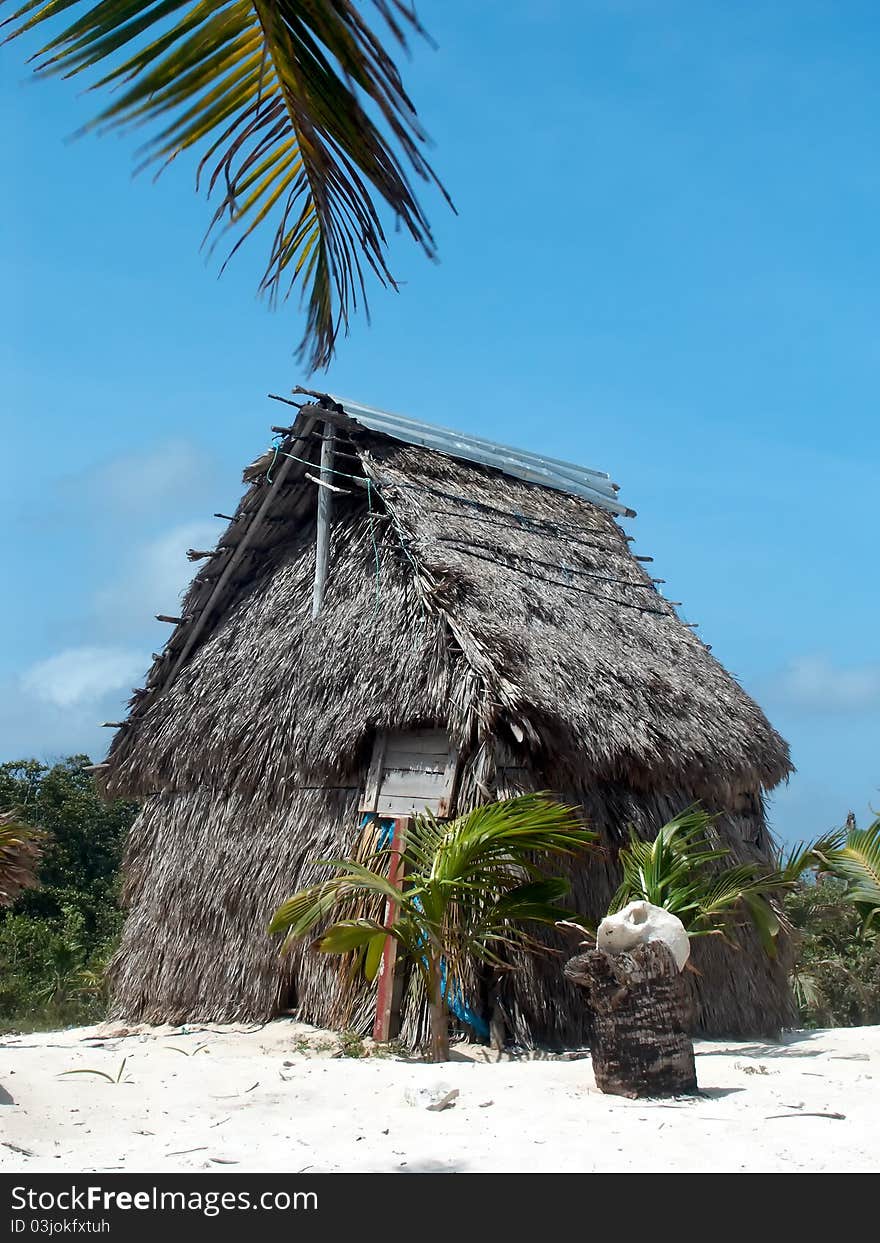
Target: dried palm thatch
x=510 y=614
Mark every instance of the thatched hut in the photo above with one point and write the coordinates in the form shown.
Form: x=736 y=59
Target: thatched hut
x=398 y=617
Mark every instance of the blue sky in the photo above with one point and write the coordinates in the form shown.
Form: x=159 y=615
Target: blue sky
x=665 y=266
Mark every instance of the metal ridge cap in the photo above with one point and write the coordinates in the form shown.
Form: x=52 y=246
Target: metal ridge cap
x=536 y=472
x=354 y=408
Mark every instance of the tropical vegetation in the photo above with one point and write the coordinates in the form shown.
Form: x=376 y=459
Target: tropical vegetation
x=681 y=871
x=470 y=887
x=826 y=894
x=836 y=927
x=685 y=872
x=56 y=937
x=836 y=976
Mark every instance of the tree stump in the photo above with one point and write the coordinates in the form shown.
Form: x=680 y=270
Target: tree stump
x=641 y=1018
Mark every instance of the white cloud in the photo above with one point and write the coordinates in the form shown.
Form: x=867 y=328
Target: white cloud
x=136 y=482
x=154 y=577
x=82 y=675
x=34 y=726
x=55 y=705
x=813 y=682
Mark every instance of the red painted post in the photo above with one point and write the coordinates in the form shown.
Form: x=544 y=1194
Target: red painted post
x=385 y=990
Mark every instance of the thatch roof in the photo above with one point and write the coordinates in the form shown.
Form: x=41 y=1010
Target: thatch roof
x=461 y=596
x=465 y=595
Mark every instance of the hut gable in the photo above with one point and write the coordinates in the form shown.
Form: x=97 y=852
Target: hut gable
x=458 y=595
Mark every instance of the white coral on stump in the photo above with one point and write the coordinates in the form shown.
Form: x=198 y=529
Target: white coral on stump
x=640 y=922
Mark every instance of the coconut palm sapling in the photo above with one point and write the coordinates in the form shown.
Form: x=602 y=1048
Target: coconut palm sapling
x=836 y=924
x=683 y=872
x=642 y=1008
x=852 y=856
x=469 y=886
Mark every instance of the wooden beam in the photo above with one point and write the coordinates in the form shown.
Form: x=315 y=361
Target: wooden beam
x=450 y=775
x=324 y=484
x=322 y=534
x=374 y=775
x=236 y=556
x=385 y=1023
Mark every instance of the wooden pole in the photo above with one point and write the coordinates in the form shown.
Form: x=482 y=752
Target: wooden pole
x=272 y=491
x=385 y=994
x=322 y=535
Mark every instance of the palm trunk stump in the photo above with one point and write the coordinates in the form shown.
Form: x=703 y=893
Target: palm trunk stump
x=641 y=1019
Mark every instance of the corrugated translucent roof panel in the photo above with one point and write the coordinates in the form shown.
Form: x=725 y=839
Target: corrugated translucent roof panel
x=592 y=485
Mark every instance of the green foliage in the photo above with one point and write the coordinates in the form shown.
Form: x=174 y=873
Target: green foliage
x=469 y=886
x=681 y=871
x=351 y=1045
x=297 y=110
x=856 y=862
x=56 y=940
x=836 y=977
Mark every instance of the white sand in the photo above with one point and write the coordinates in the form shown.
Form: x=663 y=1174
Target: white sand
x=268 y=1100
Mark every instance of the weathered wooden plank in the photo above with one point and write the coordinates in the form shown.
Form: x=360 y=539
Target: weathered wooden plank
x=450 y=774
x=387 y=1020
x=411 y=782
x=322 y=531
x=374 y=773
x=401 y=805
x=415 y=761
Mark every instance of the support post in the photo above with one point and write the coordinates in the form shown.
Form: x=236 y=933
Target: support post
x=387 y=995
x=322 y=535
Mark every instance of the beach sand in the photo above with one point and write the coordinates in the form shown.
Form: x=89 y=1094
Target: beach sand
x=283 y=1098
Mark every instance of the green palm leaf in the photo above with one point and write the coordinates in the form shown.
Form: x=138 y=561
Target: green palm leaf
x=681 y=871
x=300 y=914
x=349 y=934
x=857 y=863
x=373 y=956
x=298 y=113
x=469 y=885
x=805 y=856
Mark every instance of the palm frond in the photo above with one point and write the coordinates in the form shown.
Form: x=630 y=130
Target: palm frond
x=21 y=848
x=805 y=856
x=807 y=990
x=681 y=871
x=665 y=871
x=502 y=835
x=857 y=863
x=349 y=934
x=300 y=914
x=469 y=886
x=298 y=112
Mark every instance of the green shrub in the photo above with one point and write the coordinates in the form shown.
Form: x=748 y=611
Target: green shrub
x=837 y=971
x=56 y=940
